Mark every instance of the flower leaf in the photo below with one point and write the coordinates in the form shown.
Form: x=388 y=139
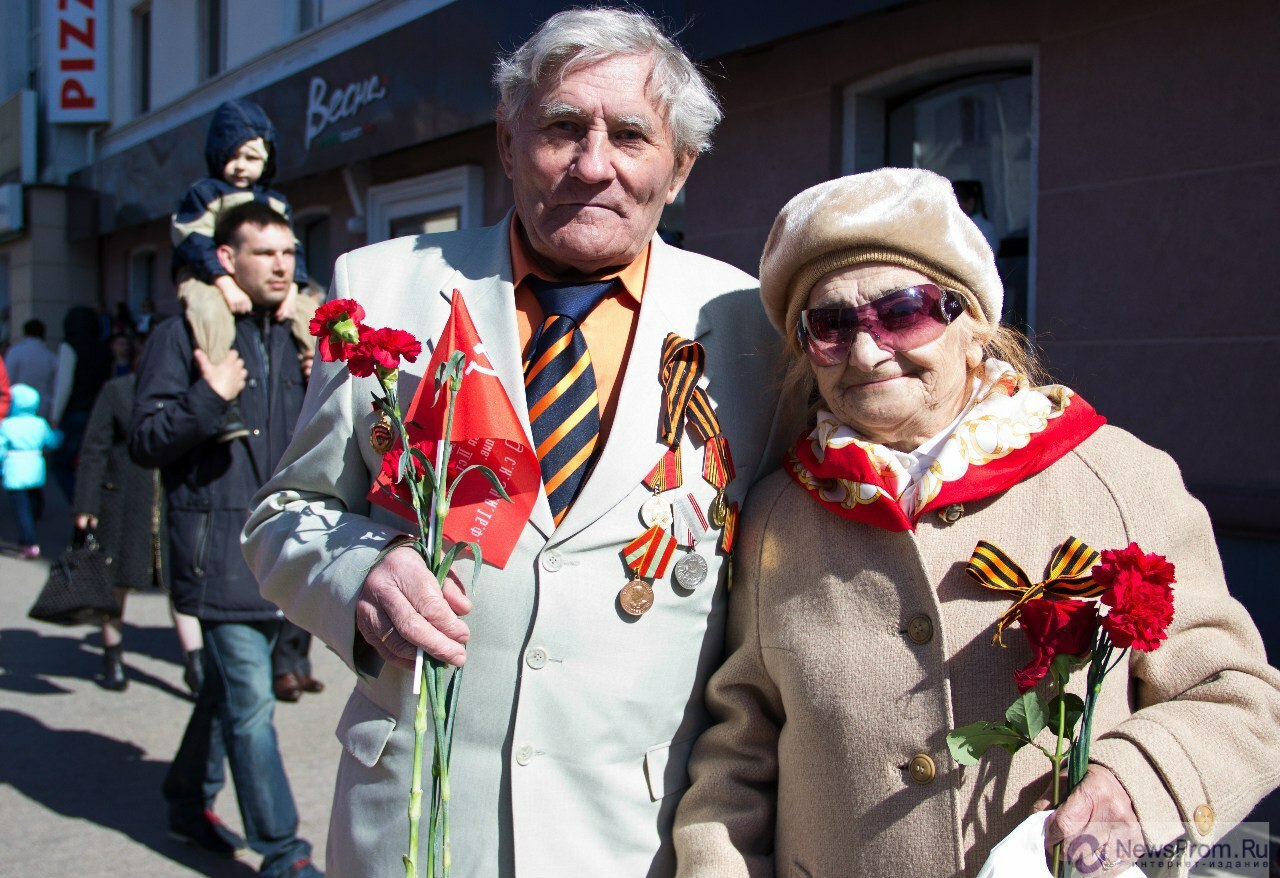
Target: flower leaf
x=1075 y=710
x=969 y=743
x=424 y=462
x=1063 y=665
x=1026 y=714
x=475 y=570
x=447 y=561
x=487 y=473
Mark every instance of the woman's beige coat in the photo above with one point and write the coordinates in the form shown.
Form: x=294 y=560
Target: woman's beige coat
x=853 y=650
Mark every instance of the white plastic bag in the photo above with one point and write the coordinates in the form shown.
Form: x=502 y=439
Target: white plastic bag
x=1021 y=854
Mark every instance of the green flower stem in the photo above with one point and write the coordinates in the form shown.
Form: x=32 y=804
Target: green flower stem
x=1057 y=764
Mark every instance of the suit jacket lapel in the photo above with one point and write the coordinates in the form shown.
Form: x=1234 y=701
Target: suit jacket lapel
x=670 y=304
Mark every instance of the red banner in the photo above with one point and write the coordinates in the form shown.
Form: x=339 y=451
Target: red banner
x=486 y=432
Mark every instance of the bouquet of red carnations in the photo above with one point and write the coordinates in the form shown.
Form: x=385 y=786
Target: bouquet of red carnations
x=407 y=463
x=1067 y=630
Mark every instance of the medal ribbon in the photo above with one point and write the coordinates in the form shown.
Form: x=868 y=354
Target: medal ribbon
x=682 y=365
x=1070 y=576
x=650 y=553
x=691 y=519
x=730 y=532
x=666 y=473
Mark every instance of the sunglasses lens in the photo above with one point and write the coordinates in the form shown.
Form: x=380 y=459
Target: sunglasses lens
x=828 y=333
x=909 y=318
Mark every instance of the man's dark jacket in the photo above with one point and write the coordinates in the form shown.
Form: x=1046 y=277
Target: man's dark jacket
x=176 y=417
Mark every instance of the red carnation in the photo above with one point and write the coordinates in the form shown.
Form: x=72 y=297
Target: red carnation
x=391 y=460
x=337 y=325
x=1054 y=627
x=1139 y=593
x=382 y=349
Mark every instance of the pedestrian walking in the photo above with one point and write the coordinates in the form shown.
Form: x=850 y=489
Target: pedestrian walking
x=24 y=438
x=123 y=505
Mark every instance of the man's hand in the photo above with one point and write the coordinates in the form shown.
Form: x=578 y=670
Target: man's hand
x=401 y=608
x=237 y=299
x=284 y=311
x=226 y=378
x=1096 y=824
x=86 y=522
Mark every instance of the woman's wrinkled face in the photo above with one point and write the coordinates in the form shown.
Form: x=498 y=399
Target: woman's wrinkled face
x=895 y=398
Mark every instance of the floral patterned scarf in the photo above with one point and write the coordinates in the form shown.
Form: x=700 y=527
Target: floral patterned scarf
x=1009 y=432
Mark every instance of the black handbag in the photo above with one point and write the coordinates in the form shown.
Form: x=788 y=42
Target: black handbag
x=78 y=590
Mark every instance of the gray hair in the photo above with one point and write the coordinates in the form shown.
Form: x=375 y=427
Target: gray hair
x=577 y=38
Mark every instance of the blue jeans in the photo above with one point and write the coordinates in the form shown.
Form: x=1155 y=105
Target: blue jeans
x=237 y=700
x=24 y=509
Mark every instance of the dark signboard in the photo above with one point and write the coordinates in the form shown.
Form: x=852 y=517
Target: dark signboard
x=425 y=80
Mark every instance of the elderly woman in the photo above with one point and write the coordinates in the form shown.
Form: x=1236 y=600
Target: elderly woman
x=856 y=641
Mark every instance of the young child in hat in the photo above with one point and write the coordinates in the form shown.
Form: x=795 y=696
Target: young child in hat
x=241 y=155
x=24 y=438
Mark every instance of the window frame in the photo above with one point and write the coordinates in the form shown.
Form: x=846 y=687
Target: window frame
x=866 y=104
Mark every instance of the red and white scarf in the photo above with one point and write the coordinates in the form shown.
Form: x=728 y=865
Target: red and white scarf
x=1010 y=432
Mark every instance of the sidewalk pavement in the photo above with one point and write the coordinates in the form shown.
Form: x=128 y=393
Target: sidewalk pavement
x=81 y=767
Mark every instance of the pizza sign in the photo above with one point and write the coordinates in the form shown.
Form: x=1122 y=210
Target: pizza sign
x=76 y=34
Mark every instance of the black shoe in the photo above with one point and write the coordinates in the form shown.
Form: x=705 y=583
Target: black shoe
x=193 y=672
x=209 y=834
x=113 y=677
x=233 y=426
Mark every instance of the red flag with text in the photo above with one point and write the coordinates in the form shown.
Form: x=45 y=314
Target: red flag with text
x=486 y=432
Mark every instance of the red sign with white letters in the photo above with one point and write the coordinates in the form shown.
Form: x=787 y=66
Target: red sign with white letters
x=75 y=49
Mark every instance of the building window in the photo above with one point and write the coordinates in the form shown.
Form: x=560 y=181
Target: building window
x=142 y=279
x=442 y=201
x=213 y=27
x=973 y=123
x=313 y=234
x=142 y=59
x=310 y=14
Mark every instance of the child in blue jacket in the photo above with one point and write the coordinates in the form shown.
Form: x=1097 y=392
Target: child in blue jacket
x=24 y=438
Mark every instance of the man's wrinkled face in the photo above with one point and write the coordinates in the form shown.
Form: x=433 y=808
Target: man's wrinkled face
x=260 y=260
x=592 y=162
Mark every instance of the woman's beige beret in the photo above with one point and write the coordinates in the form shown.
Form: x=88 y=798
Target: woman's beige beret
x=903 y=216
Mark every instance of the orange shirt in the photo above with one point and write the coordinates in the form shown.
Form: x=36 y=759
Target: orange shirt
x=607 y=330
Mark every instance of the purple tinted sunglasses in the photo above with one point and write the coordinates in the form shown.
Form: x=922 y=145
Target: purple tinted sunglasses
x=897 y=321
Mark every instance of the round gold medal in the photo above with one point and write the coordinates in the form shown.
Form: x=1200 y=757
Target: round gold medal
x=381 y=436
x=719 y=510
x=636 y=597
x=656 y=511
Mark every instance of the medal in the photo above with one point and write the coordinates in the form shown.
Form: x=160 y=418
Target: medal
x=656 y=512
x=636 y=597
x=690 y=571
x=381 y=436
x=719 y=510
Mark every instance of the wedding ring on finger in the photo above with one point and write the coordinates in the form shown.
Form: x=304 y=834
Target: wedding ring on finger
x=390 y=631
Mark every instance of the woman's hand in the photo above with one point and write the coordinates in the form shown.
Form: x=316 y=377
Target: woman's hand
x=1096 y=824
x=86 y=522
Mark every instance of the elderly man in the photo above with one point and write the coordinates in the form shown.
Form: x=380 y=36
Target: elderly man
x=584 y=677
x=182 y=397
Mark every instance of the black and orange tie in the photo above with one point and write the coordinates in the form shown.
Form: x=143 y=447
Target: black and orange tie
x=560 y=386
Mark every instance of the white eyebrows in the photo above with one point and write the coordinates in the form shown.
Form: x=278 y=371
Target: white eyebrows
x=556 y=110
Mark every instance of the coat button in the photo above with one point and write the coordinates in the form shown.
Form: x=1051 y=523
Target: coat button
x=951 y=514
x=920 y=629
x=524 y=754
x=536 y=658
x=922 y=769
x=257 y=432
x=552 y=561
x=1203 y=819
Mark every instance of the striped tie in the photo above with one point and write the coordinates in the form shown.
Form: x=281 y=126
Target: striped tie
x=560 y=386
